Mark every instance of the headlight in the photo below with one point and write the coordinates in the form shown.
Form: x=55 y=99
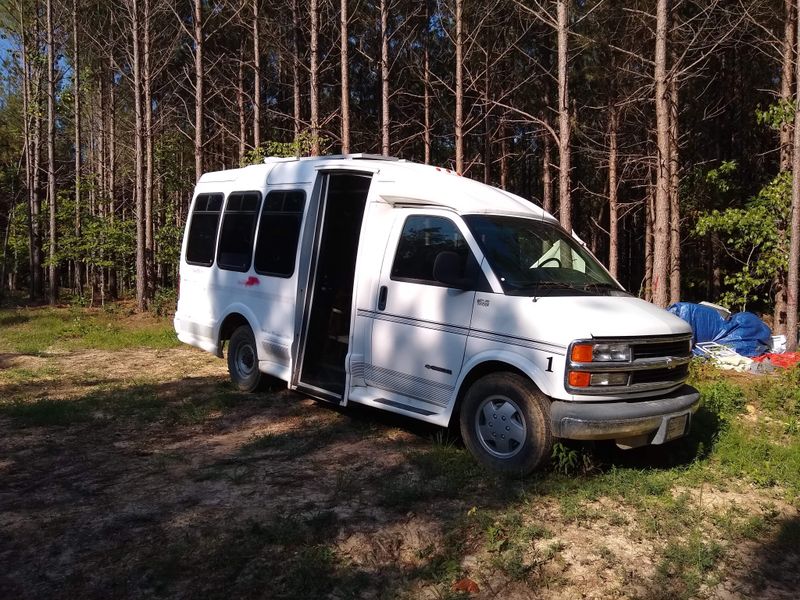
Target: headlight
x=611 y=352
x=601 y=352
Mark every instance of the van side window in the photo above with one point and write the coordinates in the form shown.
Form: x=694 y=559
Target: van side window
x=279 y=232
x=203 y=230
x=423 y=238
x=235 y=250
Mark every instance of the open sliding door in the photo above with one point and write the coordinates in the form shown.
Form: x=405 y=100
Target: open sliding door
x=325 y=331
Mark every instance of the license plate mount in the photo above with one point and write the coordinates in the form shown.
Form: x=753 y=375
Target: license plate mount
x=676 y=427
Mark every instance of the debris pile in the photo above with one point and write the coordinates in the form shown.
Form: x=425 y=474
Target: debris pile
x=737 y=342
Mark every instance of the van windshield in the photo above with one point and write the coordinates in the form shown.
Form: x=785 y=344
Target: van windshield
x=532 y=258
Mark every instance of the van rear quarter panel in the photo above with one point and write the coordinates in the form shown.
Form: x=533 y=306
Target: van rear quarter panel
x=208 y=295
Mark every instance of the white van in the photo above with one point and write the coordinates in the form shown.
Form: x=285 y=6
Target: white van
x=412 y=289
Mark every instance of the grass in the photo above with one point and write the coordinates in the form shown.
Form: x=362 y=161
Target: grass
x=45 y=330
x=667 y=504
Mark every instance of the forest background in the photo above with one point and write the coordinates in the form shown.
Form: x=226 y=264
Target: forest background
x=661 y=131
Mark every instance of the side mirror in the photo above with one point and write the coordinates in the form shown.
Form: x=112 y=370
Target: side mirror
x=448 y=270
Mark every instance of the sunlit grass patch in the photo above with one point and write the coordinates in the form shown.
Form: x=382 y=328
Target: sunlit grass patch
x=39 y=330
x=685 y=565
x=20 y=375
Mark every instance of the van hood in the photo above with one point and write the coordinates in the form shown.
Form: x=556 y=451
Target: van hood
x=559 y=320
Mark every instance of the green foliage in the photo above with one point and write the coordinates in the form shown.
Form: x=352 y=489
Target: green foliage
x=570 y=460
x=754 y=236
x=776 y=115
x=723 y=398
x=780 y=395
x=685 y=563
x=301 y=146
x=165 y=302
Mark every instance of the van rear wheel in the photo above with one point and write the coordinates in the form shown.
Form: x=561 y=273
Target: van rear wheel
x=505 y=423
x=243 y=360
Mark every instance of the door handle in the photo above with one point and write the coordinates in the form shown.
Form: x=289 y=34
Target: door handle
x=382 y=293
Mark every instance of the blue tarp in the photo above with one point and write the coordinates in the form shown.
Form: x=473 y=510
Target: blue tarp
x=743 y=332
x=706 y=322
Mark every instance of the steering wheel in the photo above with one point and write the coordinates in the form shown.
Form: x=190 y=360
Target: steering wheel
x=551 y=259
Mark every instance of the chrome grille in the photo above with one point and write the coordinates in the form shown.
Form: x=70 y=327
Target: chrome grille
x=659 y=349
x=657 y=363
x=676 y=375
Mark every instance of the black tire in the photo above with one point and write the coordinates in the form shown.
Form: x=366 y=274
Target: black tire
x=505 y=424
x=243 y=360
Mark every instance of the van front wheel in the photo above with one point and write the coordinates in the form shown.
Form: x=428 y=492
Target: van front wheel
x=243 y=360
x=505 y=423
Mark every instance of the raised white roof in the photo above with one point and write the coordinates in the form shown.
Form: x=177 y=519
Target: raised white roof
x=399 y=182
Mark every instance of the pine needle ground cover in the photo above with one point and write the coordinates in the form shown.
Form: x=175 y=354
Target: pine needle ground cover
x=130 y=468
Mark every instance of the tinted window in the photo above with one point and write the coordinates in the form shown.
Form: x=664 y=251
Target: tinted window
x=203 y=230
x=236 y=236
x=279 y=232
x=423 y=238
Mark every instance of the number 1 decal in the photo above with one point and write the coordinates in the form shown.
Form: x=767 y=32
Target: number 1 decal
x=549 y=364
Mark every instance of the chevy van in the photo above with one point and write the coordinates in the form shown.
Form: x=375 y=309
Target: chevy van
x=409 y=288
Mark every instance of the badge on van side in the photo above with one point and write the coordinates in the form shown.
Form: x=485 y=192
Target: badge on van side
x=483 y=302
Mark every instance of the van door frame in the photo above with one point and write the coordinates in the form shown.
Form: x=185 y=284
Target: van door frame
x=306 y=282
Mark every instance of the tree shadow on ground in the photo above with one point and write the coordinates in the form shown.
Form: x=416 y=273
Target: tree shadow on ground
x=697 y=445
x=775 y=568
x=189 y=488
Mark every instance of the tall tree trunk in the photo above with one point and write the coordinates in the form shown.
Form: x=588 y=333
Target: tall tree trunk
x=426 y=83
x=31 y=181
x=38 y=250
x=459 y=116
x=613 y=215
x=112 y=167
x=256 y=79
x=487 y=126
x=648 y=243
x=141 y=248
x=794 y=222
x=9 y=219
x=199 y=95
x=76 y=93
x=787 y=78
x=564 y=125
x=51 y=154
x=147 y=78
x=385 y=117
x=296 y=68
x=504 y=152
x=674 y=186
x=661 y=218
x=547 y=172
x=240 y=106
x=314 y=77
x=344 y=63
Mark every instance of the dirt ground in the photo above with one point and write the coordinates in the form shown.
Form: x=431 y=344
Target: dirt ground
x=142 y=474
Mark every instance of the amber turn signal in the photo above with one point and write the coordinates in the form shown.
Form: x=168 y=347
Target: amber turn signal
x=582 y=353
x=579 y=378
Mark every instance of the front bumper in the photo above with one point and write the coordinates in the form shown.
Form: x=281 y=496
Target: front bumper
x=632 y=423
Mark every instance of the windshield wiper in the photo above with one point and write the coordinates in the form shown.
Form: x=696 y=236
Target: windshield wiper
x=553 y=285
x=602 y=285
